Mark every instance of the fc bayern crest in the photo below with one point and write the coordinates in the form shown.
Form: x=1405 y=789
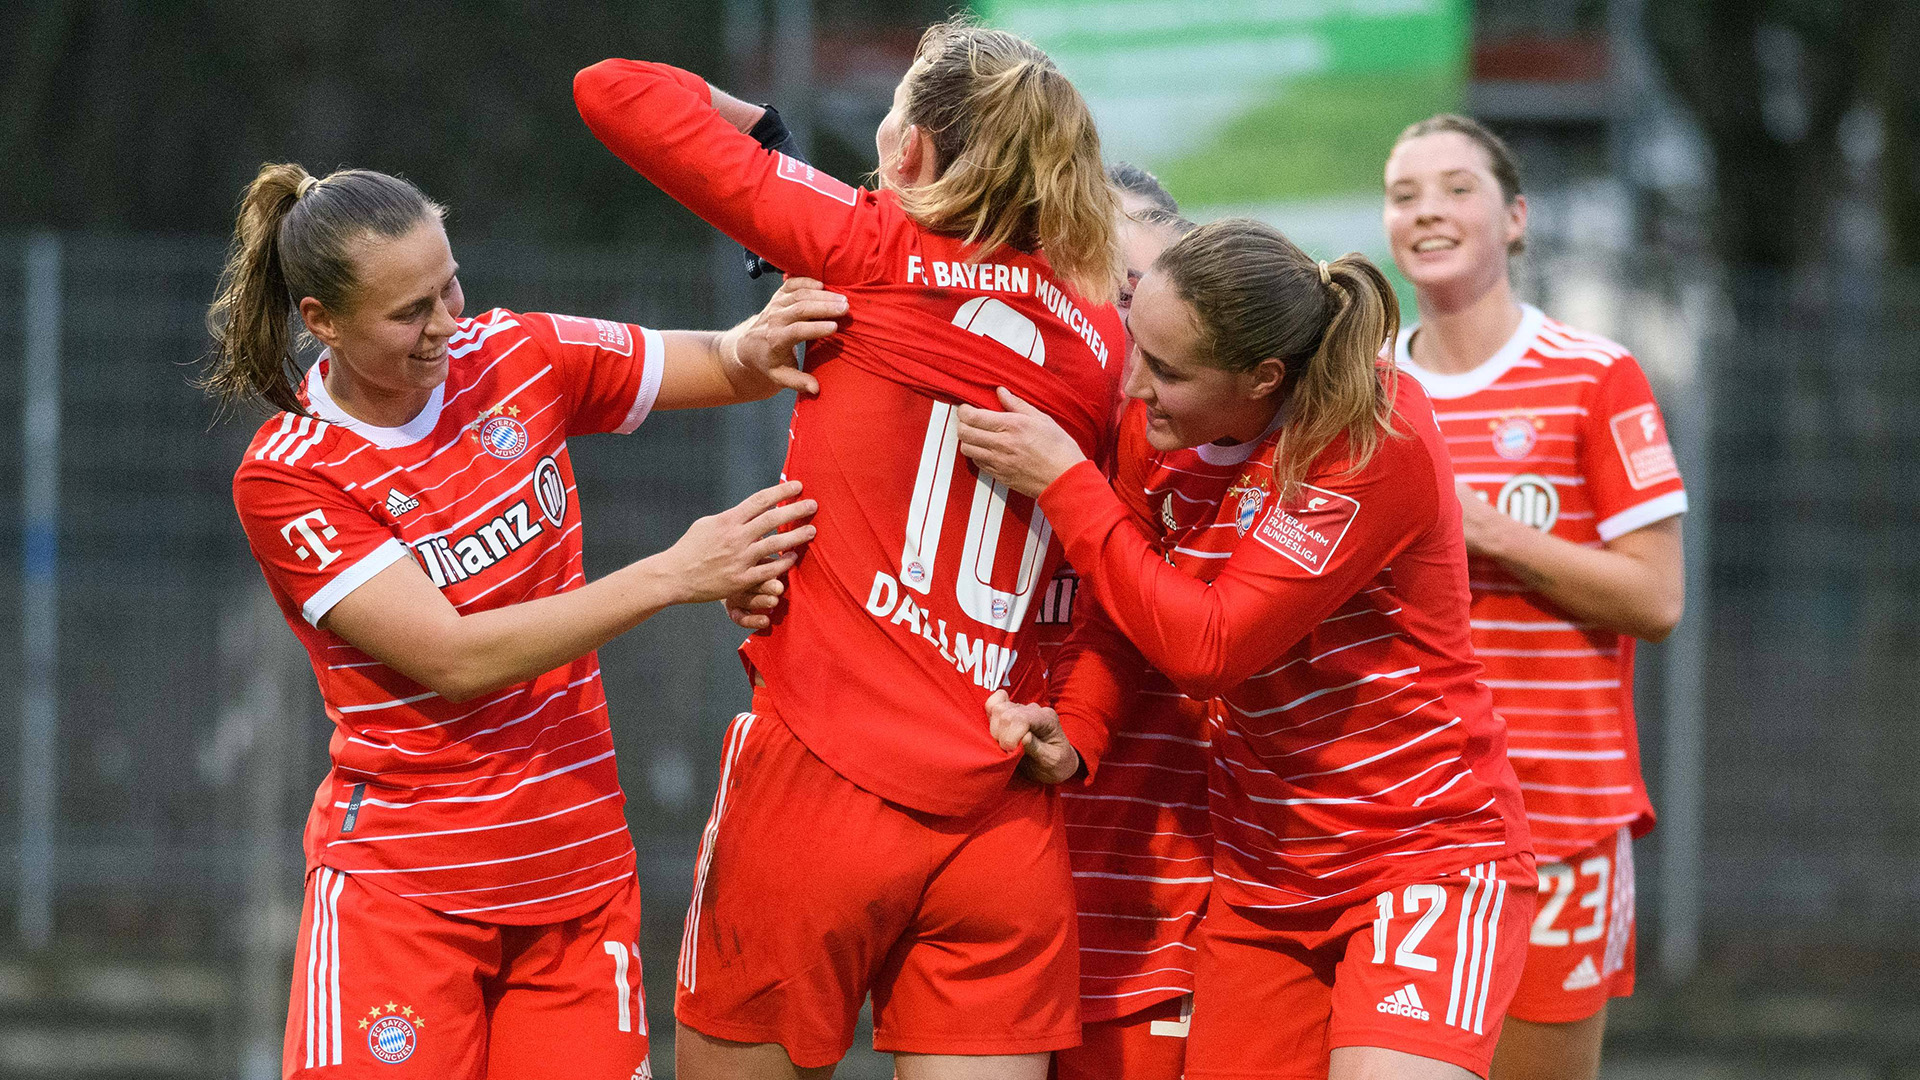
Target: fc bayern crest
x=1249 y=508
x=1514 y=437
x=392 y=1039
x=504 y=437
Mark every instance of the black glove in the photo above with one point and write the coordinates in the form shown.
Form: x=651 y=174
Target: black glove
x=771 y=133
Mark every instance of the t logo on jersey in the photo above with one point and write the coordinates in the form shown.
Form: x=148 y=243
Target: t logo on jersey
x=1310 y=532
x=309 y=545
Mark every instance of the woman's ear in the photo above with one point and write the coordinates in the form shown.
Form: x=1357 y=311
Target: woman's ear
x=916 y=167
x=1265 y=377
x=320 y=322
x=1516 y=220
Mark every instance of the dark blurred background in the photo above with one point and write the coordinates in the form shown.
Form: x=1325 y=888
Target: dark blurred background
x=1732 y=189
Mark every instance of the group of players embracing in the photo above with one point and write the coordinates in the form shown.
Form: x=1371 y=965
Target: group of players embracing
x=1319 y=761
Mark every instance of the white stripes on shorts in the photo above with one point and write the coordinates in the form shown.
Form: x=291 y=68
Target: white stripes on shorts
x=1475 y=948
x=323 y=970
x=689 y=972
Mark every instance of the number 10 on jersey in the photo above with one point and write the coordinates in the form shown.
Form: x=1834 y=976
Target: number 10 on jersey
x=927 y=514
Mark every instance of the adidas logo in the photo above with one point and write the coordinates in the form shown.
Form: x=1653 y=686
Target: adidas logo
x=1405 y=1002
x=398 y=504
x=1583 y=977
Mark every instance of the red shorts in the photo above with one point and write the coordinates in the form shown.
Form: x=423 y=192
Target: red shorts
x=1425 y=968
x=1581 y=952
x=811 y=891
x=384 y=987
x=1147 y=1045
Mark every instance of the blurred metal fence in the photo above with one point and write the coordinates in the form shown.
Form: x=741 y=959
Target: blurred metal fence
x=1794 y=404
x=190 y=738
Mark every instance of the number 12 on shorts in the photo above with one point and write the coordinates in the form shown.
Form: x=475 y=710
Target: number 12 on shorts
x=1422 y=898
x=628 y=991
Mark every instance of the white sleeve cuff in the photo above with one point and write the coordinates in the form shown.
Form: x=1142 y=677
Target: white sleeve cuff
x=350 y=579
x=653 y=363
x=1643 y=515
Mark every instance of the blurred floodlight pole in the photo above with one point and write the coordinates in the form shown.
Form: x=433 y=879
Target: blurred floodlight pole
x=39 y=591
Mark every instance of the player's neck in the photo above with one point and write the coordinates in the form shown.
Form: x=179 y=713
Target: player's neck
x=1456 y=337
x=373 y=405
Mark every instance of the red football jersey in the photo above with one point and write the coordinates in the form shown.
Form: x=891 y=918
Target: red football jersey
x=1353 y=744
x=916 y=600
x=1138 y=830
x=1560 y=431
x=506 y=808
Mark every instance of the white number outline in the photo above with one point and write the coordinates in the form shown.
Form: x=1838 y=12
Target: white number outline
x=927 y=515
x=1407 y=954
x=631 y=996
x=1556 y=886
x=1597 y=900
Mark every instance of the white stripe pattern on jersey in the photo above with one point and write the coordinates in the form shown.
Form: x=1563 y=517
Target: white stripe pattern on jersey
x=319 y=432
x=286 y=422
x=323 y=971
x=689 y=973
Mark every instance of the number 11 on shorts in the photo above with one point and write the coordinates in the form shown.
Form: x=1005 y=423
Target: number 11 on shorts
x=628 y=992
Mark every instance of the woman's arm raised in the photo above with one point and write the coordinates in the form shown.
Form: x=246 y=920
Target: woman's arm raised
x=687 y=138
x=399 y=618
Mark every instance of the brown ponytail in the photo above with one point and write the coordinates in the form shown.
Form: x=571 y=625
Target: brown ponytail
x=294 y=238
x=1017 y=153
x=1256 y=295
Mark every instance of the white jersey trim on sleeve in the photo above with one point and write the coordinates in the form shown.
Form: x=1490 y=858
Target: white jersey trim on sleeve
x=1659 y=508
x=350 y=579
x=653 y=362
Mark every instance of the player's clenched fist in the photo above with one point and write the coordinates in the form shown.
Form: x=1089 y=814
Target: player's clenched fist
x=1050 y=758
x=737 y=550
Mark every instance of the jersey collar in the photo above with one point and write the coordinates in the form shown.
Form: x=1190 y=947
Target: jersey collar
x=1439 y=385
x=1215 y=454
x=322 y=405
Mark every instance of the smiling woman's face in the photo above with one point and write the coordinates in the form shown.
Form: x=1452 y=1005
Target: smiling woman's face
x=392 y=338
x=1446 y=219
x=1189 y=401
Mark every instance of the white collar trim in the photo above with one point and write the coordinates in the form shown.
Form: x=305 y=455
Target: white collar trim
x=1442 y=385
x=323 y=406
x=1215 y=454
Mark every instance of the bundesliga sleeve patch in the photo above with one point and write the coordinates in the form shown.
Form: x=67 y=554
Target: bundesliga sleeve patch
x=611 y=336
x=1641 y=437
x=809 y=177
x=1310 y=528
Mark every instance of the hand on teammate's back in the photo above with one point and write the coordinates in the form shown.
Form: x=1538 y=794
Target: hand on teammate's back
x=1036 y=729
x=1021 y=447
x=739 y=550
x=752 y=610
x=764 y=349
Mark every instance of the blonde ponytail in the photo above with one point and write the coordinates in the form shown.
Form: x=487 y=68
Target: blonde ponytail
x=1017 y=155
x=295 y=237
x=1256 y=295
